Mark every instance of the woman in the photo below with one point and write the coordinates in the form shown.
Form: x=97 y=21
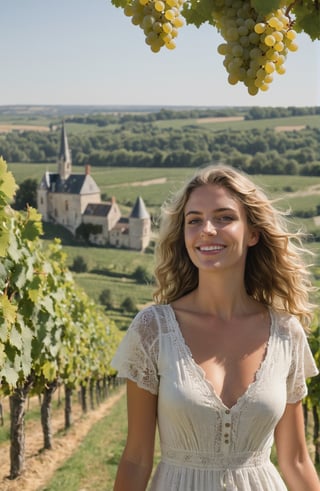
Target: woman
x=219 y=363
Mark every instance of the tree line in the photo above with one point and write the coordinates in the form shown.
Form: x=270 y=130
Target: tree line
x=138 y=144
x=250 y=113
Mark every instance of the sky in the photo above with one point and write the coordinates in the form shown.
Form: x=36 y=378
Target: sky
x=86 y=52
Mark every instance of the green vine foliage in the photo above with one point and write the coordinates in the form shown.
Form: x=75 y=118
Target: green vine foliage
x=49 y=329
x=314 y=383
x=305 y=14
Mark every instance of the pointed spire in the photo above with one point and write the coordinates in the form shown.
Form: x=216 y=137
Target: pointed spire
x=139 y=210
x=64 y=156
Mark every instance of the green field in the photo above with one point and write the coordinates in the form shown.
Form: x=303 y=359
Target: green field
x=311 y=120
x=77 y=128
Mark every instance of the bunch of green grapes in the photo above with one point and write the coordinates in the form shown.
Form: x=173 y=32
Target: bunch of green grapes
x=159 y=20
x=255 y=47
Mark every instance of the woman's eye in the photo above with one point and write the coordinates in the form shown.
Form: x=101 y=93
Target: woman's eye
x=225 y=218
x=193 y=221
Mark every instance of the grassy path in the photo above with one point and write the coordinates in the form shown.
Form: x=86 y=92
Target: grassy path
x=43 y=466
x=92 y=467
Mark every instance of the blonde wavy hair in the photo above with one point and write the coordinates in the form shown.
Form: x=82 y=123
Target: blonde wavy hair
x=276 y=273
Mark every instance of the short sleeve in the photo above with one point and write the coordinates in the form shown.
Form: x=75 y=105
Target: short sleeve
x=137 y=355
x=302 y=366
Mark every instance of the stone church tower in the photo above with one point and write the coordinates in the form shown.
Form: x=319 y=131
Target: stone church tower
x=64 y=156
x=74 y=201
x=63 y=196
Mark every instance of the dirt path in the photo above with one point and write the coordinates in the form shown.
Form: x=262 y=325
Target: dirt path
x=313 y=190
x=222 y=119
x=150 y=182
x=40 y=466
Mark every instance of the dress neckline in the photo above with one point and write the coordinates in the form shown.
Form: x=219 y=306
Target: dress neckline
x=257 y=376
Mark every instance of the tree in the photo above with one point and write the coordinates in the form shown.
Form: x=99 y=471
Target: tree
x=105 y=298
x=79 y=265
x=141 y=275
x=264 y=28
x=26 y=195
x=128 y=305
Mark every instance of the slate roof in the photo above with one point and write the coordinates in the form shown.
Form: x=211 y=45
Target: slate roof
x=75 y=184
x=97 y=209
x=139 y=210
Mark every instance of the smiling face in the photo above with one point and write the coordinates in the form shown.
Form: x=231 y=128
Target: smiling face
x=216 y=231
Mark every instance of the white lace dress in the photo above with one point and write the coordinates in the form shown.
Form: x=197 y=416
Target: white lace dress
x=206 y=446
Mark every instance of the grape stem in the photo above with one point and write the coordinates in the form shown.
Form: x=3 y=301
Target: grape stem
x=287 y=12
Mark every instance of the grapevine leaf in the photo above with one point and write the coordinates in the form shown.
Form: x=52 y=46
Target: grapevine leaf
x=14 y=251
x=26 y=363
x=33 y=226
x=307 y=15
x=198 y=12
x=3 y=276
x=119 y=3
x=9 y=310
x=264 y=7
x=2 y=355
x=54 y=349
x=15 y=338
x=34 y=291
x=26 y=309
x=310 y=24
x=4 y=241
x=49 y=371
x=19 y=277
x=10 y=375
x=48 y=305
x=3 y=331
x=8 y=185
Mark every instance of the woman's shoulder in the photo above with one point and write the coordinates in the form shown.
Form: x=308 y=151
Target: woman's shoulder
x=154 y=317
x=153 y=311
x=286 y=324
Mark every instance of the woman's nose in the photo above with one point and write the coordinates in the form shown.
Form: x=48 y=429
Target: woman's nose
x=209 y=228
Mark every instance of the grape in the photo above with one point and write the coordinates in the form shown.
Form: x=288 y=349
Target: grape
x=159 y=20
x=292 y=47
x=260 y=27
x=159 y=6
x=270 y=67
x=291 y=34
x=255 y=46
x=270 y=40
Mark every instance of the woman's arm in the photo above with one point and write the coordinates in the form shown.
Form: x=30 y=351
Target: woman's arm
x=294 y=461
x=137 y=459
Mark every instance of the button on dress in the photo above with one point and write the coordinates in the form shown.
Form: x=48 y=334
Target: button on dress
x=206 y=446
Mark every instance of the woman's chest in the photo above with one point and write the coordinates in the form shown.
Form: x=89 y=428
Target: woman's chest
x=224 y=378
x=230 y=360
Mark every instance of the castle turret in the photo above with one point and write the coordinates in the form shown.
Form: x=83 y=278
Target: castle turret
x=64 y=156
x=139 y=226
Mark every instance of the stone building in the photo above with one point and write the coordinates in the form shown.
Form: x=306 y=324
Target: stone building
x=74 y=201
